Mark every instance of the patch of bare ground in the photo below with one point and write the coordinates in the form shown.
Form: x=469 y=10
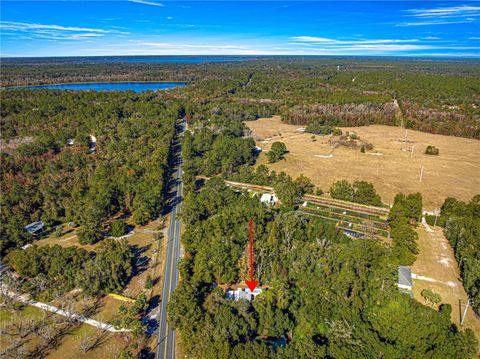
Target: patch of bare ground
x=389 y=166
x=10 y=145
x=437 y=269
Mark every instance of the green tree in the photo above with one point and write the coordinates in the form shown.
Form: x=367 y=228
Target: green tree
x=342 y=190
x=276 y=152
x=118 y=228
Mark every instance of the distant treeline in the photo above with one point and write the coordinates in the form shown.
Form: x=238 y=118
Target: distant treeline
x=436 y=97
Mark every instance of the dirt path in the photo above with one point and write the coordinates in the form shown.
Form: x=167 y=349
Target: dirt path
x=436 y=268
x=50 y=308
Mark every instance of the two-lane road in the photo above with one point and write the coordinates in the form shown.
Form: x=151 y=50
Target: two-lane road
x=166 y=336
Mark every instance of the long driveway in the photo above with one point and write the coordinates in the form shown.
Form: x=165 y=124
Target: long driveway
x=166 y=336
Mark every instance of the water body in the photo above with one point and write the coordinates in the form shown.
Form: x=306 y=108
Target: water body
x=110 y=86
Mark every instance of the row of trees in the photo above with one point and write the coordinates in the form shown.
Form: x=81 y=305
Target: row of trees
x=50 y=271
x=462 y=229
x=358 y=192
x=404 y=215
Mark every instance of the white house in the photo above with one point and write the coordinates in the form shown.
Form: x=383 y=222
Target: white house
x=243 y=293
x=269 y=199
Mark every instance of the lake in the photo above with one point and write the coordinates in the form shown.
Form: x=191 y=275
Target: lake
x=110 y=86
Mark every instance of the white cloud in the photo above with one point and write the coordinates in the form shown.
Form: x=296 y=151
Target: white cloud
x=454 y=11
x=442 y=16
x=430 y=38
x=169 y=18
x=368 y=46
x=23 y=26
x=53 y=32
x=168 y=45
x=327 y=41
x=151 y=3
x=435 y=22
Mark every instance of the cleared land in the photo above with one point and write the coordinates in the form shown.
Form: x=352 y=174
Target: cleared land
x=455 y=172
x=439 y=271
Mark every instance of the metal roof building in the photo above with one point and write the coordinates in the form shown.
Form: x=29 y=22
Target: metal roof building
x=34 y=227
x=405 y=278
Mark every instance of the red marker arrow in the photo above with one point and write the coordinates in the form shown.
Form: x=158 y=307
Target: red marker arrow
x=251 y=283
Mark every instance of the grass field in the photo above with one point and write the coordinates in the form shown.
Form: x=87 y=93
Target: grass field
x=439 y=271
x=455 y=172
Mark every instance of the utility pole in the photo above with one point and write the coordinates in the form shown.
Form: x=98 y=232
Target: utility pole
x=464 y=312
x=421 y=174
x=436 y=218
x=411 y=153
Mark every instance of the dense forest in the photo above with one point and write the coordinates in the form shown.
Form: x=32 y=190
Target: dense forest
x=53 y=171
x=52 y=271
x=90 y=157
x=325 y=295
x=437 y=97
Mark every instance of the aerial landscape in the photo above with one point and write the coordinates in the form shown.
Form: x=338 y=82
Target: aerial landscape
x=239 y=179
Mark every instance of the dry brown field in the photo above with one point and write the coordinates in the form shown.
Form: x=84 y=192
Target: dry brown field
x=437 y=269
x=389 y=166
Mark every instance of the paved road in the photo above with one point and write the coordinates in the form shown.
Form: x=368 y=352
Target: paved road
x=166 y=336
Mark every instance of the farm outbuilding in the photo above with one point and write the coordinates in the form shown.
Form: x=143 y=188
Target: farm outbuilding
x=34 y=227
x=269 y=199
x=405 y=280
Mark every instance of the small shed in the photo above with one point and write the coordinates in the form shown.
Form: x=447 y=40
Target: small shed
x=34 y=227
x=269 y=199
x=405 y=278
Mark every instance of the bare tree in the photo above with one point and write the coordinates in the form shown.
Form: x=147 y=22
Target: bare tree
x=84 y=342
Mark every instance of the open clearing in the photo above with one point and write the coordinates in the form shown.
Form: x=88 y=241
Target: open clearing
x=439 y=271
x=455 y=172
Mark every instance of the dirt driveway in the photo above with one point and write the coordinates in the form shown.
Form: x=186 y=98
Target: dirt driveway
x=436 y=268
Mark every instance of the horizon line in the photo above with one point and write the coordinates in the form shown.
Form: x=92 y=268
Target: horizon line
x=427 y=56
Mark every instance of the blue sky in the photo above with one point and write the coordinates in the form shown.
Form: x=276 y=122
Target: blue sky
x=151 y=27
